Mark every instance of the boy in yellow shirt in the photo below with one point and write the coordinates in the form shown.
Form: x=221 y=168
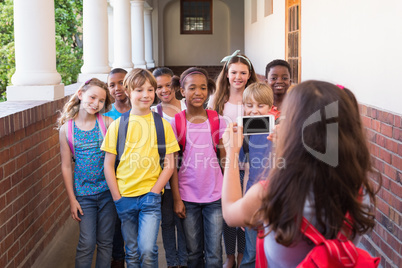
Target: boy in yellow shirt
x=136 y=184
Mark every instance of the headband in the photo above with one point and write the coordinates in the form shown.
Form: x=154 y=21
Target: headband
x=236 y=54
x=184 y=78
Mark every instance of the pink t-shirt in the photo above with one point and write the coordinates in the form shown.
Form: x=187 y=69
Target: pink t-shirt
x=200 y=176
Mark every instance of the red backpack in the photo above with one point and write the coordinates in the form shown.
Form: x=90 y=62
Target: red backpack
x=333 y=253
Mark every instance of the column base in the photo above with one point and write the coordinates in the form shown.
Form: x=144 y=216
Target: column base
x=143 y=66
x=85 y=77
x=150 y=65
x=34 y=93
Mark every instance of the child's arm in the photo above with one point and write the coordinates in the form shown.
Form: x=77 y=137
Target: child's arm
x=66 y=170
x=110 y=175
x=178 y=205
x=167 y=172
x=237 y=211
x=222 y=155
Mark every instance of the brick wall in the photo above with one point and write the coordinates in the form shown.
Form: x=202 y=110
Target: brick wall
x=385 y=141
x=33 y=204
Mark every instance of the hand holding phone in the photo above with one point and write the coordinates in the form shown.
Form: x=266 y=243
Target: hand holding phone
x=258 y=124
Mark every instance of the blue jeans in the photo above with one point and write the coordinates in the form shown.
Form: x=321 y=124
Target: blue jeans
x=203 y=231
x=176 y=255
x=96 y=228
x=248 y=260
x=140 y=218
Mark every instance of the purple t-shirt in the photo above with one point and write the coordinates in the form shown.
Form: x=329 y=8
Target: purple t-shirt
x=200 y=176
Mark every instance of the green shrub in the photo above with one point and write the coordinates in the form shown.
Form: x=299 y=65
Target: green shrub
x=68 y=20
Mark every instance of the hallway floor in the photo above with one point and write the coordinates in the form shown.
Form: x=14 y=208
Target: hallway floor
x=60 y=253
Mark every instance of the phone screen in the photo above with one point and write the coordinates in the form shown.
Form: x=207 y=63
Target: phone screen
x=257 y=125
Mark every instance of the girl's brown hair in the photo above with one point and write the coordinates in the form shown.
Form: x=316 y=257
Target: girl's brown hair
x=71 y=108
x=222 y=93
x=334 y=188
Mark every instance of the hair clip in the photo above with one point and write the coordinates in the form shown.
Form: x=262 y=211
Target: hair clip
x=340 y=86
x=88 y=81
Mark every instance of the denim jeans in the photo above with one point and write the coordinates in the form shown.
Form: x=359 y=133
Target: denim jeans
x=248 y=260
x=118 y=242
x=176 y=255
x=140 y=218
x=203 y=231
x=96 y=229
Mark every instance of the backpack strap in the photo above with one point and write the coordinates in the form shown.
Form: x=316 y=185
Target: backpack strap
x=159 y=109
x=336 y=248
x=101 y=124
x=160 y=136
x=70 y=137
x=213 y=119
x=181 y=129
x=260 y=258
x=121 y=136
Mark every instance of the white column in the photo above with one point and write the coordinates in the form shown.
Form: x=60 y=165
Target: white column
x=110 y=31
x=149 y=57
x=122 y=35
x=36 y=77
x=95 y=39
x=137 y=33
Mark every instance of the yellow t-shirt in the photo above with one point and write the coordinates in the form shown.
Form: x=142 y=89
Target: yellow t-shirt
x=139 y=167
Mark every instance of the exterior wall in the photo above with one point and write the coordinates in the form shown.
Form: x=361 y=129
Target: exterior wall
x=186 y=49
x=33 y=202
x=352 y=43
x=176 y=49
x=264 y=38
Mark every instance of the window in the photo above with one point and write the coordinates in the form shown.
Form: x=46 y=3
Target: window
x=196 y=16
x=293 y=38
x=253 y=11
x=268 y=8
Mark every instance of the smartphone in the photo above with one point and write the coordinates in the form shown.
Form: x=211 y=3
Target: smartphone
x=258 y=124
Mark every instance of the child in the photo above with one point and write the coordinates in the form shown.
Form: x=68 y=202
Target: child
x=91 y=204
x=121 y=102
x=167 y=108
x=121 y=105
x=200 y=175
x=321 y=189
x=137 y=183
x=257 y=100
x=277 y=74
x=237 y=73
